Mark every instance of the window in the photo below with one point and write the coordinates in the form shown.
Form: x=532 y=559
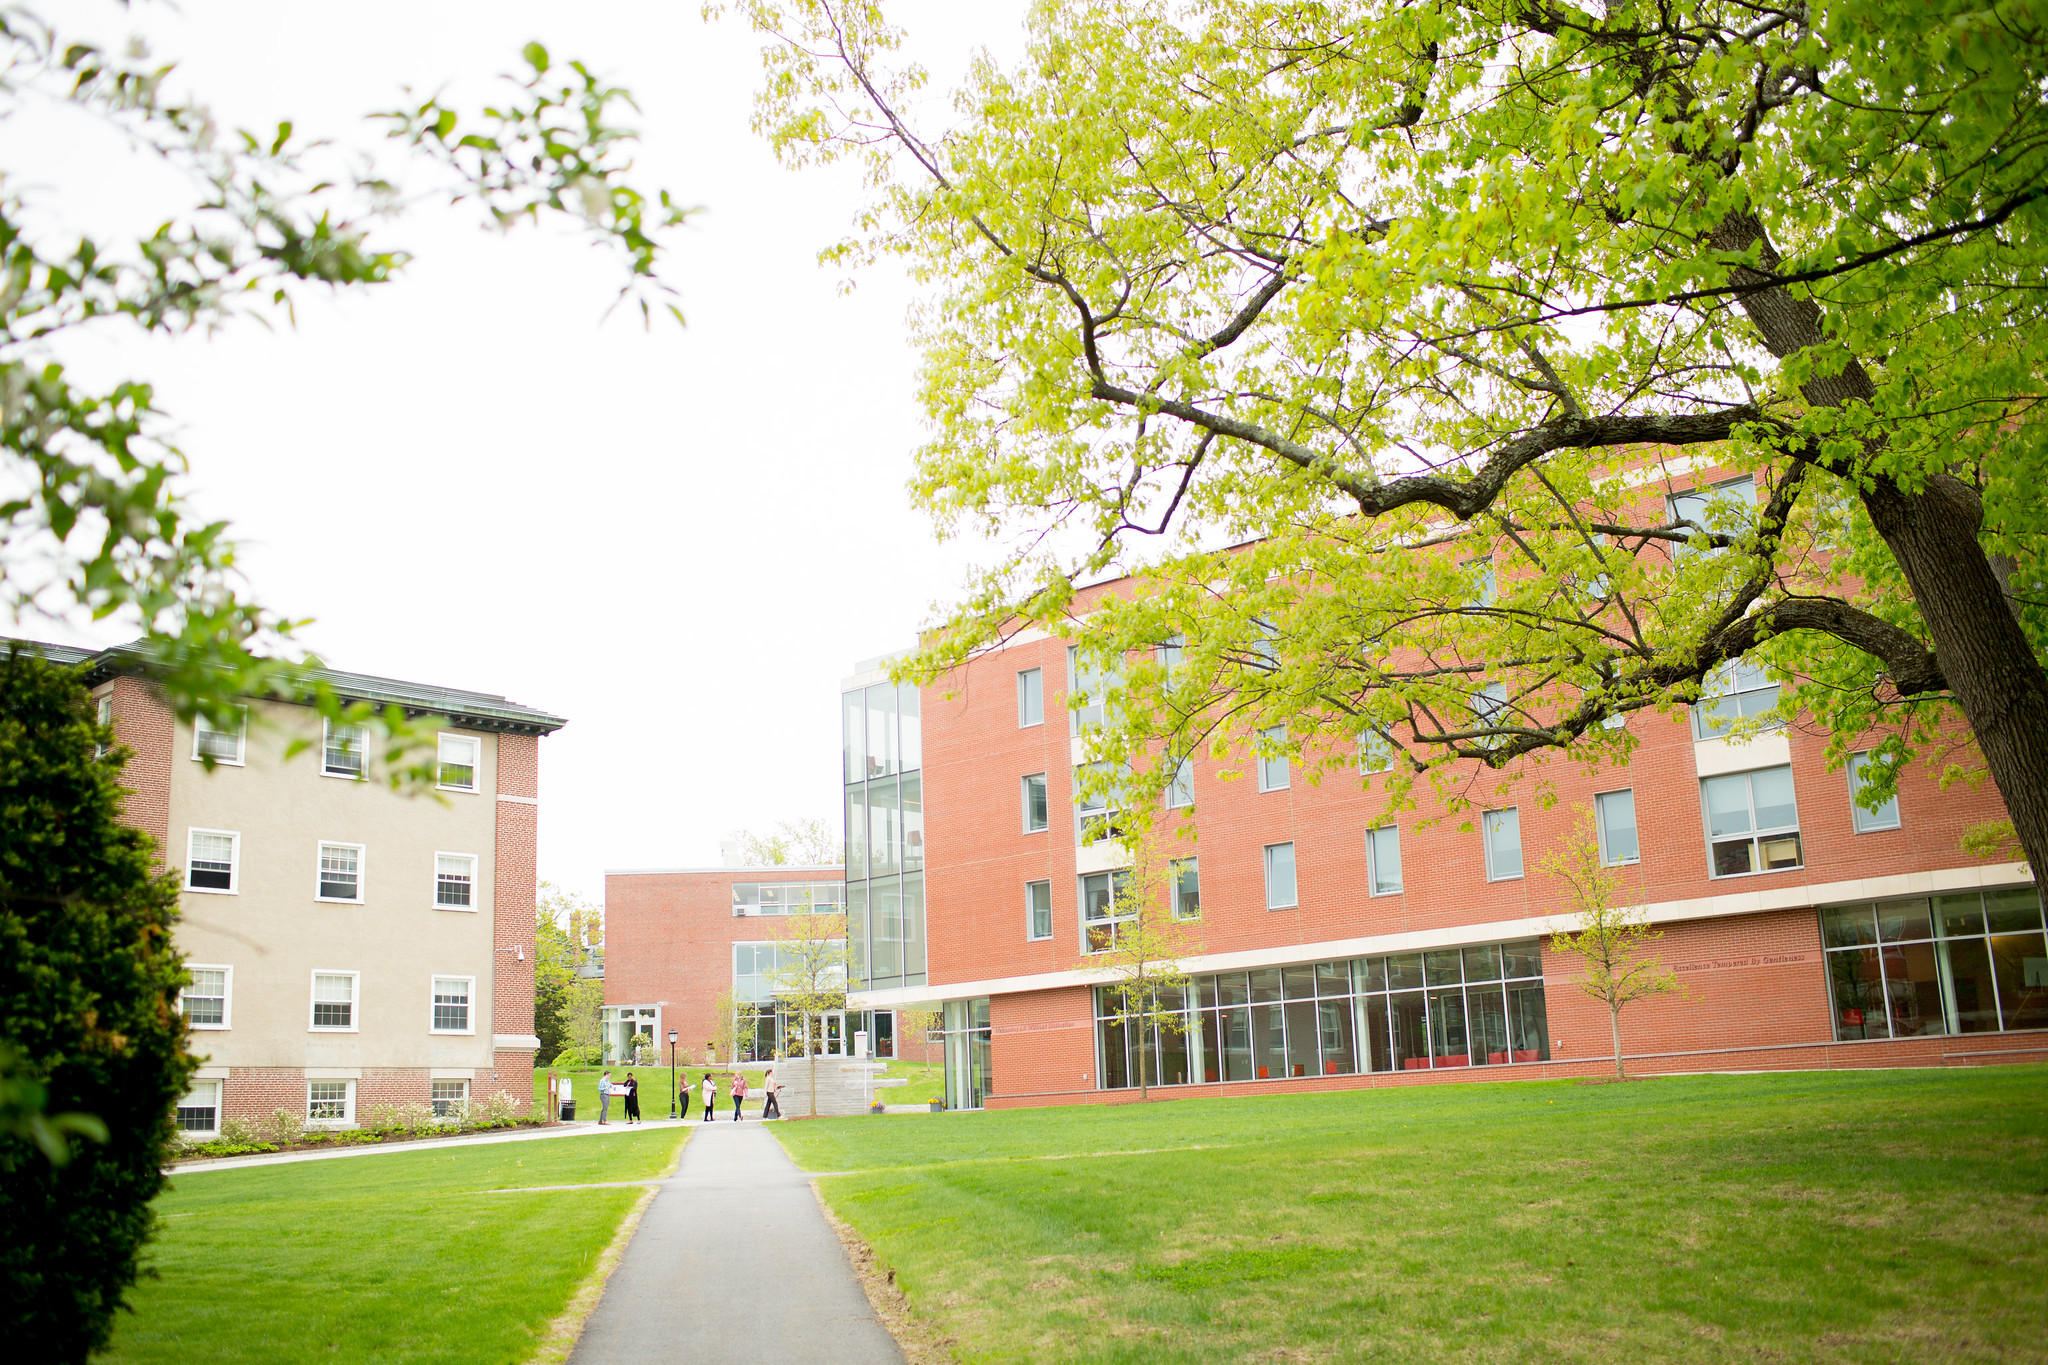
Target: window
x=1102 y=909
x=1383 y=859
x=1375 y=753
x=106 y=718
x=1180 y=792
x=1719 y=508
x=1170 y=654
x=341 y=872
x=1733 y=691
x=459 y=762
x=1481 y=592
x=1099 y=800
x=199 y=1111
x=450 y=1098
x=330 y=1101
x=1966 y=962
x=1088 y=689
x=210 y=859
x=1489 y=705
x=1885 y=816
x=1030 y=698
x=451 y=1004
x=221 y=743
x=1273 y=759
x=204 y=1003
x=1038 y=910
x=455 y=881
x=342 y=749
x=334 y=1001
x=1187 y=888
x=1752 y=822
x=1503 y=829
x=788 y=898
x=1617 y=821
x=1035 y=816
x=1280 y=876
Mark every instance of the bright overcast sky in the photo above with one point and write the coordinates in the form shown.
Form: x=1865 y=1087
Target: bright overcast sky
x=680 y=540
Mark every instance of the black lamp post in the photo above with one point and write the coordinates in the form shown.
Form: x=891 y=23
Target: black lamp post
x=671 y=1073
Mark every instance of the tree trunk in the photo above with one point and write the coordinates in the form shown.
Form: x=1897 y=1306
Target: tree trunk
x=1614 y=1018
x=1992 y=672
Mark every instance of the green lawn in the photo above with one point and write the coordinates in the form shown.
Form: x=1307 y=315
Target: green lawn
x=395 y=1257
x=1844 y=1217
x=654 y=1095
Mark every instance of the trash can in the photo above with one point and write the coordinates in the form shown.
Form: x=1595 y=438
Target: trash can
x=568 y=1111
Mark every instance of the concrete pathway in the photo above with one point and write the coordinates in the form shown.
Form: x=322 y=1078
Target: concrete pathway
x=735 y=1261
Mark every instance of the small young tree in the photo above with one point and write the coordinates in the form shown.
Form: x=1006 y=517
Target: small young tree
x=732 y=1027
x=89 y=984
x=1142 y=964
x=1610 y=938
x=810 y=977
x=918 y=1021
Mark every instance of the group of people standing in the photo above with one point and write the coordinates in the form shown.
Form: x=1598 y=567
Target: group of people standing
x=629 y=1091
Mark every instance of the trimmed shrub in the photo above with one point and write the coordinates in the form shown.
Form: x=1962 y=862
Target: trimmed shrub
x=283 y=1127
x=88 y=997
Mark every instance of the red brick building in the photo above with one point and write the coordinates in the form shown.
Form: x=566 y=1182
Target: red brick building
x=1334 y=956
x=678 y=938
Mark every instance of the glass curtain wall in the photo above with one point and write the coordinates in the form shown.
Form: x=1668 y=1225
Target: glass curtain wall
x=967 y=1053
x=1477 y=1006
x=881 y=763
x=1973 y=962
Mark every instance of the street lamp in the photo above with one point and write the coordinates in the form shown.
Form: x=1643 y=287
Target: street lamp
x=671 y=1073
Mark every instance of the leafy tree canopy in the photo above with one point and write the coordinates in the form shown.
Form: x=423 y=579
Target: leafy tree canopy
x=92 y=517
x=1377 y=340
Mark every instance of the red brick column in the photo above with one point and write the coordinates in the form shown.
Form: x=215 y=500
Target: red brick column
x=144 y=723
x=513 y=901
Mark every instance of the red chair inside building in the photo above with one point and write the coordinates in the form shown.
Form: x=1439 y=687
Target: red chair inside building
x=1414 y=1063
x=1525 y=1056
x=1330 y=1069
x=1456 y=1059
x=1496 y=1058
x=1262 y=1074
x=1301 y=1068
x=1210 y=1072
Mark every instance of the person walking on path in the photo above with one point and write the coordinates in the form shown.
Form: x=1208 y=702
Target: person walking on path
x=683 y=1085
x=739 y=1095
x=710 y=1098
x=604 y=1099
x=632 y=1098
x=771 y=1107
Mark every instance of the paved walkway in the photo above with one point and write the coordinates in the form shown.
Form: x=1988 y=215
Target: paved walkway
x=735 y=1261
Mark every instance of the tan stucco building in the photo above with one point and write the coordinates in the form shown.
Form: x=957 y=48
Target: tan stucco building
x=349 y=945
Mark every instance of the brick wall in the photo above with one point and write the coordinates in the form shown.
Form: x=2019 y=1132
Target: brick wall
x=143 y=721
x=516 y=891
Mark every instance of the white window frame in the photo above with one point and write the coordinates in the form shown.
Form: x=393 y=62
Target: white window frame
x=1372 y=861
x=219 y=1103
x=1107 y=816
x=362 y=871
x=227 y=997
x=234 y=886
x=475 y=881
x=1724 y=683
x=461 y=1100
x=1023 y=673
x=1607 y=858
x=355 y=1001
x=1180 y=788
x=1754 y=834
x=1024 y=801
x=362 y=771
x=241 y=739
x=1867 y=821
x=1173 y=871
x=434 y=989
x=1706 y=497
x=1273 y=734
x=1031 y=934
x=1118 y=881
x=1486 y=843
x=1266 y=864
x=476 y=767
x=1375 y=753
x=348 y=1101
x=104 y=704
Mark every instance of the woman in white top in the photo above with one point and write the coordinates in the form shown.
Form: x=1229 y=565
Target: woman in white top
x=604 y=1098
x=710 y=1092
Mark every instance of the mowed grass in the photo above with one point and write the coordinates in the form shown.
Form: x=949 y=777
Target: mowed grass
x=1851 y=1217
x=397 y=1257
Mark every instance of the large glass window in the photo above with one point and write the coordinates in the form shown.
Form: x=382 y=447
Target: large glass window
x=1180 y=792
x=1723 y=508
x=910 y=793
x=1734 y=691
x=1099 y=800
x=1478 y=1006
x=1273 y=759
x=1038 y=910
x=1187 y=889
x=1036 y=815
x=885 y=829
x=1089 y=685
x=1383 y=859
x=1967 y=962
x=883 y=895
x=1503 y=834
x=856 y=833
x=853 y=735
x=788 y=898
x=1102 y=909
x=1030 y=698
x=966 y=1032
x=1617 y=821
x=910 y=731
x=1885 y=816
x=1280 y=889
x=1752 y=822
